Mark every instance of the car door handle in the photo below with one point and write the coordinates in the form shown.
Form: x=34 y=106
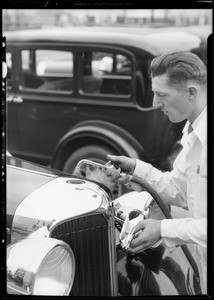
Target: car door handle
x=17 y=99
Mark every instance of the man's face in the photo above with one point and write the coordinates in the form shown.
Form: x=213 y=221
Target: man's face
x=173 y=102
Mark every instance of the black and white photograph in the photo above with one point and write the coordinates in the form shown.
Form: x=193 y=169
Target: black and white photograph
x=104 y=152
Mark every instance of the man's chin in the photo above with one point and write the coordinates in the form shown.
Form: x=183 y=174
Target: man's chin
x=175 y=120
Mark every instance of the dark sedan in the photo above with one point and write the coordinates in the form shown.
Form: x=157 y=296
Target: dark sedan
x=77 y=93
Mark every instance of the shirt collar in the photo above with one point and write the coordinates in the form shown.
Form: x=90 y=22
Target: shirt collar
x=199 y=126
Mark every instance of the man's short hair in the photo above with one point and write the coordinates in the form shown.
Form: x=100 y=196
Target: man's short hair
x=180 y=68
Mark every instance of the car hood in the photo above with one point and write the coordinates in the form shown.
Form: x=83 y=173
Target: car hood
x=36 y=200
x=19 y=184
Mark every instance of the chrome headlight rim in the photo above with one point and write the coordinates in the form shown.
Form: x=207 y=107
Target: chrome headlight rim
x=67 y=247
x=43 y=247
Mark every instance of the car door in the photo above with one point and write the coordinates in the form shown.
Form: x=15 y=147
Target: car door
x=41 y=107
x=11 y=101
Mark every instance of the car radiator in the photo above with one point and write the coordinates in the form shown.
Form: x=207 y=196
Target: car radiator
x=92 y=240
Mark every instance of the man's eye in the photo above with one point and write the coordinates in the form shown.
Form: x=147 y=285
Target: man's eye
x=160 y=95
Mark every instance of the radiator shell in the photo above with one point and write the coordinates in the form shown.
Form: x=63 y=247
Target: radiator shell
x=92 y=240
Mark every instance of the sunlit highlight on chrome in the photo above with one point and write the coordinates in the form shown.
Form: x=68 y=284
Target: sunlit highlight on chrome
x=40 y=266
x=54 y=275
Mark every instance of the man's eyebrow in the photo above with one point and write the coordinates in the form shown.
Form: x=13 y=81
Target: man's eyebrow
x=159 y=92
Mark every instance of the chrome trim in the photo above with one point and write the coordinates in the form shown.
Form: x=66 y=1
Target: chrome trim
x=17 y=99
x=24 y=260
x=55 y=202
x=192 y=284
x=109 y=216
x=189 y=279
x=113 y=254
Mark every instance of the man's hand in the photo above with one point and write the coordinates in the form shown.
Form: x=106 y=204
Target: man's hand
x=148 y=236
x=126 y=164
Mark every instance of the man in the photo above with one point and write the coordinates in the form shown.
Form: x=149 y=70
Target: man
x=179 y=84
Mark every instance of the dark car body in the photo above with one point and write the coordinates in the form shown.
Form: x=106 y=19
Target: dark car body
x=76 y=93
x=45 y=205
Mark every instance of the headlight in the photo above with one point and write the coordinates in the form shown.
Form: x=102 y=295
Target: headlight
x=40 y=266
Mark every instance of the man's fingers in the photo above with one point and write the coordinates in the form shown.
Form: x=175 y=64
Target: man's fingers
x=112 y=157
x=139 y=247
x=139 y=242
x=124 y=179
x=139 y=226
x=108 y=164
x=118 y=160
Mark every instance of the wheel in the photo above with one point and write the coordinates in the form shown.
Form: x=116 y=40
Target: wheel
x=95 y=153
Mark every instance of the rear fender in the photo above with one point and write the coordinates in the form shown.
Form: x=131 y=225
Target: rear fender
x=96 y=132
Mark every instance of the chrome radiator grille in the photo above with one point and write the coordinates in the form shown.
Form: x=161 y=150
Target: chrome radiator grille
x=88 y=237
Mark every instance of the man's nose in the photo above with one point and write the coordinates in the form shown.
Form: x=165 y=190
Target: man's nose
x=156 y=103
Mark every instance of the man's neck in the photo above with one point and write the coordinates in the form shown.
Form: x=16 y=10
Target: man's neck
x=198 y=110
x=199 y=117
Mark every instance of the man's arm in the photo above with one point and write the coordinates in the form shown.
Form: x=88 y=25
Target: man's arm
x=188 y=230
x=173 y=232
x=171 y=186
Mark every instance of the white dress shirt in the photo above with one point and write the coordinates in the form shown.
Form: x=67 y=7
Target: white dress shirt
x=185 y=186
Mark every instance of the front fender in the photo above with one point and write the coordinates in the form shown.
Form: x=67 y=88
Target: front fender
x=85 y=133
x=154 y=272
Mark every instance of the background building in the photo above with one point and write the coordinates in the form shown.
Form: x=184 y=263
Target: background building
x=14 y=19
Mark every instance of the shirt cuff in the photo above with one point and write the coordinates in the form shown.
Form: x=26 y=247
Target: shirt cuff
x=167 y=229
x=142 y=169
x=167 y=233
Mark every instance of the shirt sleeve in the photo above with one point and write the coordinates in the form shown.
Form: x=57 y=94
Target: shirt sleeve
x=171 y=186
x=180 y=231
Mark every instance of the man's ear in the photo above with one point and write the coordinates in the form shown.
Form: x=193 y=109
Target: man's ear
x=192 y=92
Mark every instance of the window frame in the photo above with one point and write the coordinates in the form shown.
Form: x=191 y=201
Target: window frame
x=9 y=88
x=43 y=46
x=101 y=96
x=76 y=96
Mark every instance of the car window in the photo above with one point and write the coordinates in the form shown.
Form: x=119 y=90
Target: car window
x=144 y=95
x=47 y=70
x=106 y=73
